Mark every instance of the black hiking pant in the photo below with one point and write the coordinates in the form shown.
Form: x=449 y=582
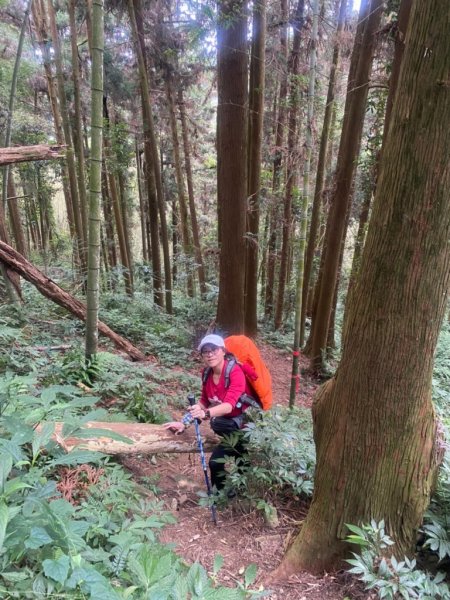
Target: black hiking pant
x=218 y=472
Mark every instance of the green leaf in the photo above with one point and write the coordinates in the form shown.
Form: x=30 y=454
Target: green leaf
x=38 y=537
x=3 y=521
x=78 y=457
x=41 y=438
x=6 y=463
x=57 y=569
x=218 y=562
x=102 y=590
x=250 y=574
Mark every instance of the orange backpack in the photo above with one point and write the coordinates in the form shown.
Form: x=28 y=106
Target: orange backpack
x=245 y=352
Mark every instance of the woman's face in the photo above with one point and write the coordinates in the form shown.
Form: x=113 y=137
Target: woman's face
x=213 y=356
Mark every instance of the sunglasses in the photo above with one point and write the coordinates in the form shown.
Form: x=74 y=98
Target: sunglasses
x=206 y=351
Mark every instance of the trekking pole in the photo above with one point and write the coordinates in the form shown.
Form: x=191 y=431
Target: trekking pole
x=191 y=400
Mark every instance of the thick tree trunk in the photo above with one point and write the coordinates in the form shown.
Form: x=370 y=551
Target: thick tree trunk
x=354 y=112
x=255 y=132
x=232 y=160
x=374 y=423
x=145 y=439
x=48 y=288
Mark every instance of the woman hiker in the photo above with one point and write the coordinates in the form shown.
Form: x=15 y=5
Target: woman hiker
x=219 y=404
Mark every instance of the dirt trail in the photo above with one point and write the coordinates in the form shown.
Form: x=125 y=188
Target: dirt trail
x=241 y=537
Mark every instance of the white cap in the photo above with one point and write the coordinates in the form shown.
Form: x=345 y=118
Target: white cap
x=212 y=338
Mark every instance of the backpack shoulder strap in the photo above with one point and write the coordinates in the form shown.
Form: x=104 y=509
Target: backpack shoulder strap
x=206 y=373
x=232 y=362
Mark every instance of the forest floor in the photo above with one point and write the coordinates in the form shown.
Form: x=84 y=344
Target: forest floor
x=241 y=536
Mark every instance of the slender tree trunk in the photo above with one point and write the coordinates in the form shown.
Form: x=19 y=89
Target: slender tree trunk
x=12 y=98
x=15 y=217
x=320 y=174
x=79 y=149
x=305 y=201
x=149 y=130
x=378 y=446
x=10 y=278
x=142 y=209
x=231 y=160
x=118 y=216
x=127 y=227
x=277 y=165
x=153 y=170
x=183 y=212
x=291 y=161
x=41 y=28
x=357 y=89
x=95 y=180
x=72 y=171
x=108 y=218
x=190 y=186
x=255 y=132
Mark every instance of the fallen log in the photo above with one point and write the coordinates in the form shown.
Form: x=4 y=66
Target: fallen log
x=16 y=154
x=146 y=439
x=48 y=288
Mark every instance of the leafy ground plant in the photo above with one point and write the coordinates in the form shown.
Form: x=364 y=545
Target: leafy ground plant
x=389 y=577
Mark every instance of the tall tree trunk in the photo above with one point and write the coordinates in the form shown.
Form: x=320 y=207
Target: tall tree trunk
x=355 y=104
x=255 y=131
x=15 y=217
x=41 y=28
x=377 y=443
x=137 y=26
x=298 y=23
x=153 y=170
x=190 y=186
x=95 y=180
x=142 y=209
x=108 y=218
x=12 y=98
x=231 y=160
x=305 y=201
x=320 y=174
x=10 y=278
x=277 y=164
x=74 y=192
x=114 y=195
x=79 y=148
x=183 y=212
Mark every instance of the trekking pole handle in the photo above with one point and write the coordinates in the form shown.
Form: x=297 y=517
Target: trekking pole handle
x=191 y=399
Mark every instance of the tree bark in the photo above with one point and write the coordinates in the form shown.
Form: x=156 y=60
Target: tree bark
x=321 y=162
x=190 y=186
x=232 y=160
x=291 y=160
x=374 y=423
x=135 y=11
x=48 y=288
x=255 y=132
x=277 y=164
x=355 y=104
x=18 y=154
x=15 y=216
x=145 y=439
x=95 y=181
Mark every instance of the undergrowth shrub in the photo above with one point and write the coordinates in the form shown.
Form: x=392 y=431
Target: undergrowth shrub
x=386 y=575
x=281 y=457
